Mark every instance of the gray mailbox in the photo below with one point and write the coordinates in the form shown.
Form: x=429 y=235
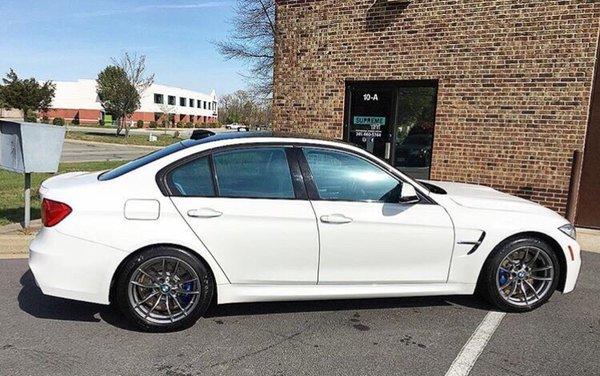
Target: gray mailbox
x=30 y=147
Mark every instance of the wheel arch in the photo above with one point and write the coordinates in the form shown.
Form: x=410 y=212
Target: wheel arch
x=111 y=296
x=560 y=255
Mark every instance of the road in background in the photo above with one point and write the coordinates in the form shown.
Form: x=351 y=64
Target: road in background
x=82 y=151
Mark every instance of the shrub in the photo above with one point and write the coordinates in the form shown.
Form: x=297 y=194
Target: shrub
x=58 y=121
x=30 y=117
x=189 y=124
x=140 y=124
x=180 y=124
x=45 y=119
x=153 y=124
x=75 y=121
x=101 y=122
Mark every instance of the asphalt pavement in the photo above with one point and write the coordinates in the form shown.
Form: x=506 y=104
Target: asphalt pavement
x=410 y=336
x=86 y=152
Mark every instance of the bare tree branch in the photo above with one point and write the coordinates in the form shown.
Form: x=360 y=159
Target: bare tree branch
x=252 y=41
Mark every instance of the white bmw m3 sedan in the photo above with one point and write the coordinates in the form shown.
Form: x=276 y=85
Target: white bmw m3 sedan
x=250 y=217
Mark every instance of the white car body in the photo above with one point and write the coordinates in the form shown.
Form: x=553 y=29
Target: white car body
x=275 y=250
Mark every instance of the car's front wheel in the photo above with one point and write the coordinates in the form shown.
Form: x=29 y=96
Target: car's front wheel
x=521 y=275
x=164 y=289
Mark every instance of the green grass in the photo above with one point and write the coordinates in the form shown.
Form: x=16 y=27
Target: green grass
x=163 y=140
x=11 y=189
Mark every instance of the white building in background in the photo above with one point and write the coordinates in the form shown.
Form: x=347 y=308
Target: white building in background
x=78 y=100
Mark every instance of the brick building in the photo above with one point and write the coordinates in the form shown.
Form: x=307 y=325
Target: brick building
x=495 y=92
x=79 y=100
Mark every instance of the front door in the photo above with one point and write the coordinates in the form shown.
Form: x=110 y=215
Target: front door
x=366 y=234
x=394 y=120
x=249 y=216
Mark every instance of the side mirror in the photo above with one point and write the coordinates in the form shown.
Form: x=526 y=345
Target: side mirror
x=409 y=194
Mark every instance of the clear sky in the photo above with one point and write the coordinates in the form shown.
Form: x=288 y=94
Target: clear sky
x=70 y=39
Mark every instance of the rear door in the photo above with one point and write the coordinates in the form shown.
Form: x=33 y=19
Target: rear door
x=249 y=208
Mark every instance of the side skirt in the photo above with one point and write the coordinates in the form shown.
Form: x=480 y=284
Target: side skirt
x=232 y=293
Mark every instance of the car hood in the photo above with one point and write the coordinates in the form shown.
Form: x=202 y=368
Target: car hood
x=482 y=197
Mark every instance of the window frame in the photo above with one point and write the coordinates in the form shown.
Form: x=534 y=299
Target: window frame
x=302 y=179
x=161 y=100
x=163 y=177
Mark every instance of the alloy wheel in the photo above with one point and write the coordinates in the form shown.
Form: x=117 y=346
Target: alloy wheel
x=525 y=276
x=164 y=290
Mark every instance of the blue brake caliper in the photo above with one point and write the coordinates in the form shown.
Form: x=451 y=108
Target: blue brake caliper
x=502 y=278
x=185 y=299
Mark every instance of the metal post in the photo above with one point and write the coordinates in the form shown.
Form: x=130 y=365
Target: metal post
x=27 y=193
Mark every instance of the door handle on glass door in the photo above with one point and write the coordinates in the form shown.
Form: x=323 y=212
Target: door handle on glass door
x=336 y=219
x=204 y=213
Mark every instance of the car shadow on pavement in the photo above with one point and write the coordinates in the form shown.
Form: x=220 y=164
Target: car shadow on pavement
x=457 y=302
x=34 y=302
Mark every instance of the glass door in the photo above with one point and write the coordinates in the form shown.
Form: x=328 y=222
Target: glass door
x=394 y=120
x=370 y=117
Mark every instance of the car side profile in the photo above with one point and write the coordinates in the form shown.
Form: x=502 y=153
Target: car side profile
x=248 y=217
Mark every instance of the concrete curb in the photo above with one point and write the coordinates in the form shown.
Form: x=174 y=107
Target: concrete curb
x=35 y=225
x=589 y=239
x=112 y=144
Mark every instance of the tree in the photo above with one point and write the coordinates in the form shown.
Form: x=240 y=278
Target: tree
x=117 y=95
x=252 y=41
x=133 y=67
x=242 y=107
x=26 y=94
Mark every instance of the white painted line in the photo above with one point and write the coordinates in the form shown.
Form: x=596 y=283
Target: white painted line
x=467 y=357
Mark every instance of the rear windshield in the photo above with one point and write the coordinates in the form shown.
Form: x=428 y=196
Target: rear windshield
x=142 y=161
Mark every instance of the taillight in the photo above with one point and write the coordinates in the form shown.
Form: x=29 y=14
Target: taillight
x=53 y=212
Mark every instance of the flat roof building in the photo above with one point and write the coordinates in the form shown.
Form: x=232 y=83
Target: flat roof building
x=494 y=92
x=79 y=100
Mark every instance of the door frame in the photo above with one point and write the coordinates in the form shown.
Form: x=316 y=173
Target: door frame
x=395 y=85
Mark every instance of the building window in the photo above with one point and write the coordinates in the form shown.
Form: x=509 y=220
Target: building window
x=171 y=100
x=199 y=103
x=182 y=102
x=204 y=105
x=191 y=102
x=214 y=106
x=159 y=99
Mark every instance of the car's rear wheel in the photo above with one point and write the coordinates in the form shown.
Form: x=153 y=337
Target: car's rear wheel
x=164 y=289
x=521 y=275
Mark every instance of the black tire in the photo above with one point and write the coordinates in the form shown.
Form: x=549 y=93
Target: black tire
x=206 y=289
x=489 y=288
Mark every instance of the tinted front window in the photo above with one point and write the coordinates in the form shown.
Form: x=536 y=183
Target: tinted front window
x=345 y=177
x=193 y=179
x=254 y=173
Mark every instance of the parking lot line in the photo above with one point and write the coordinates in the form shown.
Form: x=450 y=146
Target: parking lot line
x=467 y=357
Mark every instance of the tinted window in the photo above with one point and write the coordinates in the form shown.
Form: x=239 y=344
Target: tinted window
x=345 y=177
x=254 y=173
x=193 y=179
x=137 y=163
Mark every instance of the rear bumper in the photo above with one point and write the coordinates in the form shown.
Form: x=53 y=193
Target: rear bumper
x=73 y=268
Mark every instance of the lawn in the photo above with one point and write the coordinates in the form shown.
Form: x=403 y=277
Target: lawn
x=11 y=189
x=112 y=138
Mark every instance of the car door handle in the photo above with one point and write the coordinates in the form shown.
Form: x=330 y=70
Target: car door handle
x=204 y=213
x=336 y=219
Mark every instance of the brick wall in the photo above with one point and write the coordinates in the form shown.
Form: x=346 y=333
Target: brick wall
x=514 y=77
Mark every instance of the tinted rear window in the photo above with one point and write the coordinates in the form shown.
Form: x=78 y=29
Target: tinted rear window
x=142 y=161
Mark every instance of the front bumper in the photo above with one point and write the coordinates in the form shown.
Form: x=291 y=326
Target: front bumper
x=572 y=252
x=73 y=268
